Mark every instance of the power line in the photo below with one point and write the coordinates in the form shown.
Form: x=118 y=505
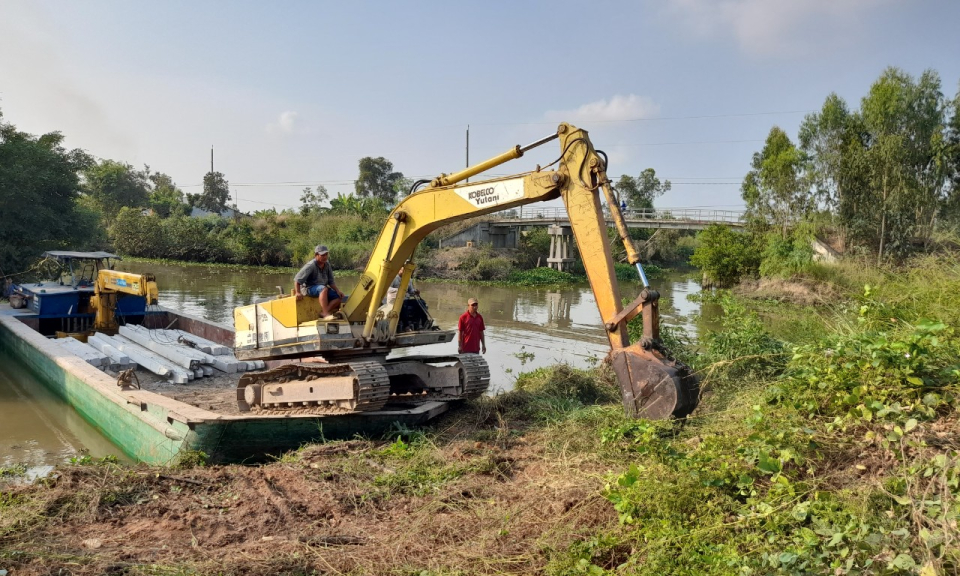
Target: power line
x=698 y=117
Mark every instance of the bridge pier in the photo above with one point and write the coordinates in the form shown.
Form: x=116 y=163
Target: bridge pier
x=560 y=237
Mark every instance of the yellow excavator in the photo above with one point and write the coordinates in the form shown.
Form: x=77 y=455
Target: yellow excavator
x=356 y=343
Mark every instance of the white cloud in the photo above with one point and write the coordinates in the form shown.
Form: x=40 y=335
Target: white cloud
x=285 y=124
x=774 y=27
x=618 y=108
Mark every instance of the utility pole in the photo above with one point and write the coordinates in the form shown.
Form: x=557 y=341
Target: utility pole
x=211 y=159
x=468 y=148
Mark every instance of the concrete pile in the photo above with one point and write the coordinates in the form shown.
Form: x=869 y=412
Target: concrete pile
x=173 y=354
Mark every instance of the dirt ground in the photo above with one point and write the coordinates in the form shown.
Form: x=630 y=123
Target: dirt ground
x=803 y=292
x=481 y=496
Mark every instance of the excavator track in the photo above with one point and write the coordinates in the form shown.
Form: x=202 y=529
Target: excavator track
x=477 y=375
x=468 y=376
x=315 y=389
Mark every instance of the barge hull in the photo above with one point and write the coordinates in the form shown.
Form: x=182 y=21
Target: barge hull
x=159 y=430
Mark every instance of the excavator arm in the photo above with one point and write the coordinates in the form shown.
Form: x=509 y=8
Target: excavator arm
x=652 y=384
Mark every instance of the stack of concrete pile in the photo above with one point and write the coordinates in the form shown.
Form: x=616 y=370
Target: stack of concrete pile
x=99 y=357
x=177 y=356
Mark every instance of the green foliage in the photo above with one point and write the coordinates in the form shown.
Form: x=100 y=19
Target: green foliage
x=882 y=171
x=87 y=460
x=14 y=470
x=378 y=180
x=773 y=190
x=540 y=277
x=640 y=192
x=483 y=264
x=902 y=373
x=311 y=202
x=725 y=256
x=39 y=189
x=744 y=350
x=114 y=185
x=563 y=381
x=165 y=198
x=370 y=208
x=534 y=248
x=137 y=235
x=786 y=256
x=191 y=459
x=216 y=193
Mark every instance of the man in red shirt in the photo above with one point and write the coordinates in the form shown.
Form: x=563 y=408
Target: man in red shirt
x=471 y=330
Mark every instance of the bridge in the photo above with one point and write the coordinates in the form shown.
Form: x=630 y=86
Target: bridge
x=502 y=229
x=669 y=218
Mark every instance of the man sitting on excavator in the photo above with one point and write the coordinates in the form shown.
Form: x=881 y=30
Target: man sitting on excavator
x=316 y=279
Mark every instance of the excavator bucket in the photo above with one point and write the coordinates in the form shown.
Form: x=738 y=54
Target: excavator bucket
x=652 y=385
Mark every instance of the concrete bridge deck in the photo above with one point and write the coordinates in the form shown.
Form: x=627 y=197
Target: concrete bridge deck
x=672 y=218
x=502 y=229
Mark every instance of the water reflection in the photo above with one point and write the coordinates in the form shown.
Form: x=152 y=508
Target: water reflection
x=39 y=429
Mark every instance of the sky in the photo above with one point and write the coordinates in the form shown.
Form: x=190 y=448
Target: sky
x=292 y=94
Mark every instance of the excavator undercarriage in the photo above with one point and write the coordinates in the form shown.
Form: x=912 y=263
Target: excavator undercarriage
x=362 y=386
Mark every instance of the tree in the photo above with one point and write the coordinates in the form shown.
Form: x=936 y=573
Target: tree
x=216 y=193
x=312 y=201
x=165 y=198
x=906 y=151
x=833 y=140
x=377 y=179
x=951 y=207
x=39 y=190
x=640 y=192
x=402 y=186
x=774 y=190
x=113 y=185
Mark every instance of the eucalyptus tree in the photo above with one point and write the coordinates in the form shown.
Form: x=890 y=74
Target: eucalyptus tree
x=906 y=124
x=951 y=207
x=775 y=190
x=834 y=142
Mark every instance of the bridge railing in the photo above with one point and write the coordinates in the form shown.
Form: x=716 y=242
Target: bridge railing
x=699 y=215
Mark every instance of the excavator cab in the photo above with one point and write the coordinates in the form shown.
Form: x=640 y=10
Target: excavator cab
x=653 y=384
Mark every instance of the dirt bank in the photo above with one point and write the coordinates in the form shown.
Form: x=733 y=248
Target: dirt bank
x=800 y=291
x=486 y=494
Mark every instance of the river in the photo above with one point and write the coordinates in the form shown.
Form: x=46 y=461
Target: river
x=527 y=328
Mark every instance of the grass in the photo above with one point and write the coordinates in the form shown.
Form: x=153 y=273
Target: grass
x=828 y=447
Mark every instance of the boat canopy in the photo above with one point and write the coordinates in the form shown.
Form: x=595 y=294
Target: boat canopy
x=67 y=255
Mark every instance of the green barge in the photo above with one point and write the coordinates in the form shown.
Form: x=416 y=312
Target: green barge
x=159 y=423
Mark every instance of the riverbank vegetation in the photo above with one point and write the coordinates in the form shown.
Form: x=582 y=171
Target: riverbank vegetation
x=881 y=181
x=826 y=442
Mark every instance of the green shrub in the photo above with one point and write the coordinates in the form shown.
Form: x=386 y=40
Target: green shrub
x=540 y=277
x=786 y=256
x=563 y=381
x=725 y=256
x=743 y=349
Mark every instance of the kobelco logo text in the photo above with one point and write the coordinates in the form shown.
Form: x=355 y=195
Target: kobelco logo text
x=484 y=196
